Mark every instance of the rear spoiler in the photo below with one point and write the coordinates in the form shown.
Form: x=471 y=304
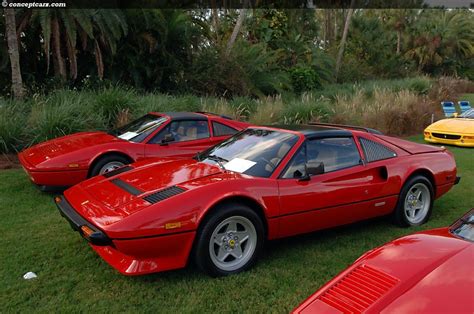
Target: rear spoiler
x=215 y=114
x=345 y=126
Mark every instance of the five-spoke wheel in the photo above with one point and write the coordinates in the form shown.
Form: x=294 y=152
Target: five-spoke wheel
x=229 y=240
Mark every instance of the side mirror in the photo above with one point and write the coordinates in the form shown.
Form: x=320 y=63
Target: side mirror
x=312 y=168
x=167 y=138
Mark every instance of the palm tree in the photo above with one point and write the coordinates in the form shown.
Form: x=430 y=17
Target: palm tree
x=441 y=37
x=344 y=37
x=12 y=39
x=62 y=29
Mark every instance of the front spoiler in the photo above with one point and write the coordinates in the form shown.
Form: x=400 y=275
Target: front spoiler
x=77 y=223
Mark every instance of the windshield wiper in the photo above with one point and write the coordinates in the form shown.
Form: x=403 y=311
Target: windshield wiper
x=217 y=159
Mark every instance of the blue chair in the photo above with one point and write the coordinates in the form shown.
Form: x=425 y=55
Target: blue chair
x=464 y=105
x=448 y=108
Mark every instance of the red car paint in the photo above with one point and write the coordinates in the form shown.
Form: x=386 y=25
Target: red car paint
x=426 y=272
x=67 y=160
x=155 y=237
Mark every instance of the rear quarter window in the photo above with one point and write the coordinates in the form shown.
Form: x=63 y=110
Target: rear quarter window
x=375 y=151
x=220 y=129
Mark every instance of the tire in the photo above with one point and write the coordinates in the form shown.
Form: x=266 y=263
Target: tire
x=415 y=203
x=230 y=253
x=108 y=163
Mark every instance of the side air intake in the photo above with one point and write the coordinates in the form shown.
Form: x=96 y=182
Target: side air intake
x=375 y=151
x=163 y=194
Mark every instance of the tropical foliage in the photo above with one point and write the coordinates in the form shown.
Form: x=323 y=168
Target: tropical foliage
x=193 y=51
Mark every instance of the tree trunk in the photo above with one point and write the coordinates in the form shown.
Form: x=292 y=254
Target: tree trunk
x=61 y=65
x=237 y=27
x=14 y=53
x=215 y=19
x=344 y=38
x=399 y=39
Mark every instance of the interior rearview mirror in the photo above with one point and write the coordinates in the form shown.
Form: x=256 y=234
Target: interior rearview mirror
x=167 y=138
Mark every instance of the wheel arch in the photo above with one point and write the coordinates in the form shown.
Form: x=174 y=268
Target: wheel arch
x=97 y=158
x=239 y=199
x=425 y=173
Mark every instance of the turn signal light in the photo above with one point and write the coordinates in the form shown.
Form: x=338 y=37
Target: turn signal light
x=427 y=133
x=173 y=225
x=73 y=165
x=468 y=137
x=57 y=199
x=87 y=231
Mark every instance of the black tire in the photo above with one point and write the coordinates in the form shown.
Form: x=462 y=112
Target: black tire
x=400 y=216
x=221 y=214
x=96 y=169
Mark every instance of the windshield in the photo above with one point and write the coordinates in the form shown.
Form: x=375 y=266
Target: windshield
x=136 y=131
x=255 y=152
x=467 y=114
x=464 y=227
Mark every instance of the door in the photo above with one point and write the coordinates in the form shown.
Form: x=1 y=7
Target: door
x=347 y=191
x=182 y=138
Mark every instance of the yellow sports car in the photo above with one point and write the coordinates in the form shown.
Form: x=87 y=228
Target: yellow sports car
x=454 y=131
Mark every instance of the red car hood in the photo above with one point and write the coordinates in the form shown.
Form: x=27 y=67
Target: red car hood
x=425 y=272
x=40 y=153
x=104 y=201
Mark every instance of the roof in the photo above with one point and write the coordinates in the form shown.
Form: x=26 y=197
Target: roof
x=310 y=131
x=185 y=116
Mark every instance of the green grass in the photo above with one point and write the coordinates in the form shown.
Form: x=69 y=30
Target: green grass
x=71 y=277
x=468 y=97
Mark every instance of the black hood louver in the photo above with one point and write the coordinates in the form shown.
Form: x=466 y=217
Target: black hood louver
x=117 y=171
x=163 y=194
x=125 y=186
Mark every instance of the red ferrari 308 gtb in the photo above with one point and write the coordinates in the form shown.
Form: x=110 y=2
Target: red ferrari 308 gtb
x=262 y=183
x=68 y=160
x=427 y=272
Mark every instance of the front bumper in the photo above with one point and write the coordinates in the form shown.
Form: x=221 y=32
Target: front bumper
x=132 y=256
x=78 y=223
x=462 y=141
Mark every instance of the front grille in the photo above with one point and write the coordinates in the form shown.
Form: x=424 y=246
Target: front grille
x=163 y=194
x=446 y=136
x=125 y=186
x=117 y=171
x=358 y=290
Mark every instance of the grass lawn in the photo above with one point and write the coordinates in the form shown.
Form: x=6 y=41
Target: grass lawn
x=71 y=277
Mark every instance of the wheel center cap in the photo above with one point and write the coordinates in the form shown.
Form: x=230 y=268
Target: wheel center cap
x=232 y=243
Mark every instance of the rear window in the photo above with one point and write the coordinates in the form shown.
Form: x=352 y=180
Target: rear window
x=220 y=129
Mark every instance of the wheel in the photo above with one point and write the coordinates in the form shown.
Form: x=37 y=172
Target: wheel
x=229 y=241
x=108 y=163
x=415 y=203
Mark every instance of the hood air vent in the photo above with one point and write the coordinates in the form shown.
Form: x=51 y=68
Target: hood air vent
x=125 y=186
x=163 y=194
x=117 y=171
x=358 y=290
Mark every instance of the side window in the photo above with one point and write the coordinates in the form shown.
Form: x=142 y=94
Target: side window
x=335 y=153
x=296 y=166
x=220 y=129
x=183 y=131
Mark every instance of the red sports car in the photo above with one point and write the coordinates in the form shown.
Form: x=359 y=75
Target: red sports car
x=427 y=272
x=262 y=183
x=68 y=160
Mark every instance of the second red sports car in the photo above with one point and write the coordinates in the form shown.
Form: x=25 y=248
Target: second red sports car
x=67 y=160
x=262 y=183
x=426 y=272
